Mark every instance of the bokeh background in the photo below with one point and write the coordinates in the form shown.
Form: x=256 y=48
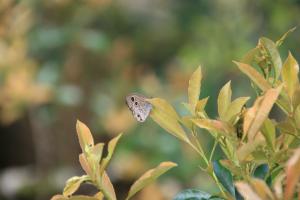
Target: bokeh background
x=63 y=60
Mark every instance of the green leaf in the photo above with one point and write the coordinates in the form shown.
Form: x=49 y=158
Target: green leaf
x=149 y=177
x=273 y=54
x=224 y=100
x=245 y=150
x=165 y=115
x=254 y=75
x=111 y=148
x=192 y=194
x=194 y=88
x=290 y=72
x=235 y=108
x=224 y=176
x=85 y=137
x=73 y=184
x=282 y=38
x=268 y=131
x=261 y=171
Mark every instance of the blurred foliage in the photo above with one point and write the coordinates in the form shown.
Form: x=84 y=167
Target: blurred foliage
x=63 y=59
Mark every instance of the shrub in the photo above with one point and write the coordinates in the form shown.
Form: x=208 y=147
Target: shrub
x=261 y=155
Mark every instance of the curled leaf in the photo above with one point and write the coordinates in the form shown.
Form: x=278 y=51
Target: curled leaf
x=149 y=177
x=73 y=184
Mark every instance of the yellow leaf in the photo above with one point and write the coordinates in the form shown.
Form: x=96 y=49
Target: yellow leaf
x=165 y=115
x=194 y=88
x=246 y=191
x=201 y=105
x=292 y=171
x=254 y=75
x=111 y=148
x=149 y=177
x=250 y=56
x=73 y=184
x=224 y=100
x=82 y=197
x=164 y=106
x=256 y=115
x=261 y=189
x=297 y=116
x=84 y=135
x=96 y=152
x=289 y=73
x=107 y=187
x=59 y=197
x=235 y=108
x=99 y=196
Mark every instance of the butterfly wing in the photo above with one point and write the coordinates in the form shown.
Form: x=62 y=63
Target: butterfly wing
x=139 y=106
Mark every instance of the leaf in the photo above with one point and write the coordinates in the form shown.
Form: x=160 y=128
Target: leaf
x=82 y=197
x=254 y=75
x=235 y=108
x=224 y=176
x=224 y=100
x=191 y=194
x=290 y=72
x=256 y=115
x=214 y=126
x=246 y=149
x=273 y=54
x=84 y=135
x=246 y=191
x=164 y=115
x=58 y=197
x=73 y=184
x=194 y=88
x=99 y=196
x=261 y=171
x=164 y=106
x=262 y=189
x=85 y=165
x=149 y=177
x=282 y=38
x=111 y=148
x=250 y=56
x=297 y=116
x=201 y=105
x=292 y=171
x=107 y=187
x=96 y=152
x=268 y=131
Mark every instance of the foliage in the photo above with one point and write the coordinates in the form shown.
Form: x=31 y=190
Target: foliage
x=94 y=165
x=258 y=150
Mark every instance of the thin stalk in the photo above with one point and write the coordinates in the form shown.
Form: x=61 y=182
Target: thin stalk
x=213 y=150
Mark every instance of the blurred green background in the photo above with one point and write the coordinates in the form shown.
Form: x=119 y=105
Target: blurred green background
x=62 y=60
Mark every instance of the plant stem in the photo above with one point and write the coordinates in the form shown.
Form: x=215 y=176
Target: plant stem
x=213 y=150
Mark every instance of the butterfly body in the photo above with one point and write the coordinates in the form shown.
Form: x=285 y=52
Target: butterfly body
x=138 y=105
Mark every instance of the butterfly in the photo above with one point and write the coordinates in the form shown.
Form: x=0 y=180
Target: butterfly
x=139 y=107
